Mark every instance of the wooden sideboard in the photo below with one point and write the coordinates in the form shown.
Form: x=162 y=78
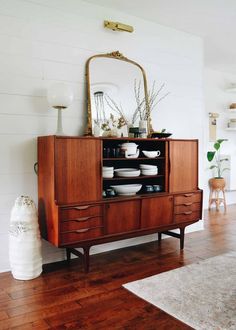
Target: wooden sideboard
x=73 y=213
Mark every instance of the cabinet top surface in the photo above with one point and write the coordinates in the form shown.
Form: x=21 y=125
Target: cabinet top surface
x=113 y=138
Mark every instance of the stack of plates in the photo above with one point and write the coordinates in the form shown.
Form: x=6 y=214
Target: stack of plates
x=148 y=169
x=127 y=172
x=107 y=172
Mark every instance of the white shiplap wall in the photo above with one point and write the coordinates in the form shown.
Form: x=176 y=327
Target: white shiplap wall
x=42 y=41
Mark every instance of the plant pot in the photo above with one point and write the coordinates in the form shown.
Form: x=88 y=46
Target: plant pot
x=217 y=183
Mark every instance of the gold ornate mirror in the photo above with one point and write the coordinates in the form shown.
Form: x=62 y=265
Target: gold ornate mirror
x=117 y=94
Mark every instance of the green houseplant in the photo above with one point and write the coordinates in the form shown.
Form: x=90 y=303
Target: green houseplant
x=218 y=182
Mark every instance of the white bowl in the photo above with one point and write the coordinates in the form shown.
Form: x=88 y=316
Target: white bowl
x=127 y=172
x=151 y=154
x=148 y=167
x=149 y=172
x=127 y=189
x=107 y=169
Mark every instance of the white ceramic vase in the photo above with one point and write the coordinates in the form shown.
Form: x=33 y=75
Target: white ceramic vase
x=24 y=240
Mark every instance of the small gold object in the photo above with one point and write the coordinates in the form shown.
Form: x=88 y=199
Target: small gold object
x=116 y=26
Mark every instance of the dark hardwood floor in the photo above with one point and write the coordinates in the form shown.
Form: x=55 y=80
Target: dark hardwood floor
x=64 y=297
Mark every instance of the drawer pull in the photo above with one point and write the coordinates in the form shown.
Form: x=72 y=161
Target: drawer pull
x=81 y=219
x=189 y=212
x=82 y=207
x=187 y=204
x=80 y=231
x=188 y=195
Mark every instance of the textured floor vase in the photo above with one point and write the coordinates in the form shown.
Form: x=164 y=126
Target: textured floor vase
x=202 y=295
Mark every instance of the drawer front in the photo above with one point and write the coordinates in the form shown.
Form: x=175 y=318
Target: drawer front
x=75 y=236
x=187 y=216
x=187 y=198
x=187 y=207
x=80 y=212
x=80 y=223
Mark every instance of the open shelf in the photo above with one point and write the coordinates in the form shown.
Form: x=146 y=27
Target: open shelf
x=133 y=178
x=139 y=158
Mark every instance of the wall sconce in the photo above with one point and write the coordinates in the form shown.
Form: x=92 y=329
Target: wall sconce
x=116 y=26
x=60 y=96
x=212 y=125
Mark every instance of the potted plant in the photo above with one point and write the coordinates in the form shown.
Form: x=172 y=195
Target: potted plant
x=218 y=182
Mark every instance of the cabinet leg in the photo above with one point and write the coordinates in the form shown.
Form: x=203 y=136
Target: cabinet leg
x=182 y=238
x=86 y=258
x=159 y=237
x=68 y=255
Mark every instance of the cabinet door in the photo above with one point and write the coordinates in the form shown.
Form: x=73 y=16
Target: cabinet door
x=157 y=212
x=183 y=156
x=122 y=217
x=78 y=170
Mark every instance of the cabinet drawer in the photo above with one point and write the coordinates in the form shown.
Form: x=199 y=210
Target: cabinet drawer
x=80 y=212
x=80 y=223
x=187 y=198
x=74 y=236
x=186 y=207
x=187 y=216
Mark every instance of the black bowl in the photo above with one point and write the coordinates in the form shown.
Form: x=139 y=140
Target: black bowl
x=160 y=135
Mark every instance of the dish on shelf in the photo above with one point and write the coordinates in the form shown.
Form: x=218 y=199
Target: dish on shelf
x=147 y=167
x=127 y=172
x=149 y=172
x=127 y=155
x=160 y=135
x=127 y=189
x=107 y=172
x=151 y=154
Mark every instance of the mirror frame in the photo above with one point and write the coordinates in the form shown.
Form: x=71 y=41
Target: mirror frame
x=117 y=56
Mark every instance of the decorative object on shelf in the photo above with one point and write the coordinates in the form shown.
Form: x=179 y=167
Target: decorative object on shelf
x=60 y=96
x=143 y=128
x=116 y=26
x=148 y=188
x=217 y=184
x=212 y=125
x=232 y=123
x=160 y=135
x=157 y=187
x=129 y=150
x=107 y=172
x=151 y=154
x=24 y=240
x=147 y=169
x=127 y=189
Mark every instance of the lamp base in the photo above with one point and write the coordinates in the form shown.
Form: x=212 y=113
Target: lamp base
x=59 y=122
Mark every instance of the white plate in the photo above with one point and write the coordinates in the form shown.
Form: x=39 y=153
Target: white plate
x=147 y=167
x=149 y=172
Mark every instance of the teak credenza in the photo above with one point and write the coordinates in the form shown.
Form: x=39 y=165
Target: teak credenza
x=73 y=212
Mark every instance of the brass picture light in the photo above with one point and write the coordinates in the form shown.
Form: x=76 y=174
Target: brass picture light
x=116 y=26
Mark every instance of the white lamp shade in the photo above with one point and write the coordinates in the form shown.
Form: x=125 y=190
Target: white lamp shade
x=60 y=95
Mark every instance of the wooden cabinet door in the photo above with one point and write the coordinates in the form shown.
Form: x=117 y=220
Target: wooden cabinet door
x=122 y=217
x=183 y=166
x=157 y=212
x=77 y=170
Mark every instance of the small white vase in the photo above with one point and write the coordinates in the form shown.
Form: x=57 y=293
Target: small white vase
x=143 y=128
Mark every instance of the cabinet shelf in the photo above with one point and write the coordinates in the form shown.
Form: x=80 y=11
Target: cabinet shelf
x=133 y=178
x=137 y=159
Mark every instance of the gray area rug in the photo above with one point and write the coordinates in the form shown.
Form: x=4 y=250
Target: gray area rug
x=202 y=295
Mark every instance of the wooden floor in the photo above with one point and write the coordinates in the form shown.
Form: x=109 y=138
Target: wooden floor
x=63 y=297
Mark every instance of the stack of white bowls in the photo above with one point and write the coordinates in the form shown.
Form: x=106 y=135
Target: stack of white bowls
x=147 y=169
x=107 y=172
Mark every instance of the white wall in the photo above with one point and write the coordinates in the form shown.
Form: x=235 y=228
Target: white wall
x=218 y=100
x=43 y=41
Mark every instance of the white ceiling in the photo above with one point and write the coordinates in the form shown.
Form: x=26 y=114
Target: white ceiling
x=213 y=20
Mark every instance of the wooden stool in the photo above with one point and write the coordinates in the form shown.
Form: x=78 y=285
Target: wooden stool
x=217 y=188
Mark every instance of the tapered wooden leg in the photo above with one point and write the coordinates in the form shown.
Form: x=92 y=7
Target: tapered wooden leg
x=224 y=200
x=210 y=199
x=68 y=255
x=86 y=258
x=159 y=237
x=182 y=238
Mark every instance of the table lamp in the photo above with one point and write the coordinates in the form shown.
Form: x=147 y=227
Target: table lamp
x=60 y=96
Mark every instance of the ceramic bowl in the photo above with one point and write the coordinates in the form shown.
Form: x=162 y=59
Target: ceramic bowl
x=151 y=154
x=127 y=189
x=127 y=172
